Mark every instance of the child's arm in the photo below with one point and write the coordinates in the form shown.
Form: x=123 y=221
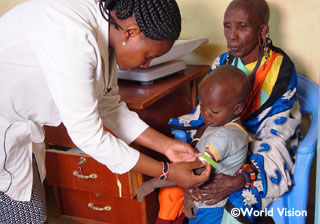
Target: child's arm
x=209 y=157
x=149 y=186
x=196 y=196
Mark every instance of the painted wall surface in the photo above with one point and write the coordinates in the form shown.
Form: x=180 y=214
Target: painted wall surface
x=294 y=27
x=5 y=5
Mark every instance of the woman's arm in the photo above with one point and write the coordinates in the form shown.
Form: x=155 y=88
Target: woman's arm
x=128 y=127
x=175 y=150
x=180 y=173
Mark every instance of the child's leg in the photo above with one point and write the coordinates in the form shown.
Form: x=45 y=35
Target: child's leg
x=208 y=216
x=171 y=202
x=33 y=211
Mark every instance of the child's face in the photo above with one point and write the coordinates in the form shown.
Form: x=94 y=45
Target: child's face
x=216 y=106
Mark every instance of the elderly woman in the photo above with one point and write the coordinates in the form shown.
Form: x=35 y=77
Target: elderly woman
x=271 y=115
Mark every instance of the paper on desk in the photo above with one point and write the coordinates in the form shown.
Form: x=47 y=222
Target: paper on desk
x=179 y=49
x=76 y=150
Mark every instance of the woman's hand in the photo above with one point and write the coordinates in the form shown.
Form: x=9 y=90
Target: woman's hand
x=182 y=173
x=180 y=151
x=193 y=194
x=223 y=186
x=174 y=150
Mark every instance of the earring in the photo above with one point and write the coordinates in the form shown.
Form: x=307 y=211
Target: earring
x=124 y=43
x=266 y=49
x=261 y=40
x=228 y=56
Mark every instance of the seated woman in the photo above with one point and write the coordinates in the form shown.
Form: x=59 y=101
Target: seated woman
x=271 y=116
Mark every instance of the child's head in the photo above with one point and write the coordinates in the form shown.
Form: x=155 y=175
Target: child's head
x=222 y=94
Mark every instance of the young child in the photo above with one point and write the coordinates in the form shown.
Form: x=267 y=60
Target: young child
x=221 y=94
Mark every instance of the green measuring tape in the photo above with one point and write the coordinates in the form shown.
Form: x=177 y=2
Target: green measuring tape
x=205 y=157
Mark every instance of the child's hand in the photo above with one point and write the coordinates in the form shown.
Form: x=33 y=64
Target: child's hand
x=193 y=194
x=189 y=206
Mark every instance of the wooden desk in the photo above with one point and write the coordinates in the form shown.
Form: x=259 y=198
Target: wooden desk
x=139 y=97
x=166 y=98
x=86 y=191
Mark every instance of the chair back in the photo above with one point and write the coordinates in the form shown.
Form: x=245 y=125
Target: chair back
x=295 y=201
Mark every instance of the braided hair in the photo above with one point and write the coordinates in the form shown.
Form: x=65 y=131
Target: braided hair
x=157 y=19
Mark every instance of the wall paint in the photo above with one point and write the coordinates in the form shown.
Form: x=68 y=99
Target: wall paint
x=5 y=5
x=294 y=26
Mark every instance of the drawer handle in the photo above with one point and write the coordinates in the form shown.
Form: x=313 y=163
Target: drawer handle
x=105 y=208
x=80 y=176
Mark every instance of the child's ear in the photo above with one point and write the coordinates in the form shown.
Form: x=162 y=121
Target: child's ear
x=238 y=109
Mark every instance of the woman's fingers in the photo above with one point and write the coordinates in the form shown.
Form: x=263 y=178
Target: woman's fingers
x=223 y=186
x=192 y=194
x=180 y=152
x=198 y=164
x=211 y=202
x=182 y=173
x=204 y=176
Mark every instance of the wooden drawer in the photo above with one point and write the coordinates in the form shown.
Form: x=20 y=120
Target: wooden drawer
x=90 y=207
x=81 y=172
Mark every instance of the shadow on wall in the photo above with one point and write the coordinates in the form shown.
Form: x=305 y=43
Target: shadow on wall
x=200 y=18
x=279 y=37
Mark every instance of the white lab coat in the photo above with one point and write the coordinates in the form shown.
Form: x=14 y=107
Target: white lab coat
x=53 y=56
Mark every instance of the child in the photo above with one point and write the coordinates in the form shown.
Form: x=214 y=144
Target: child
x=221 y=94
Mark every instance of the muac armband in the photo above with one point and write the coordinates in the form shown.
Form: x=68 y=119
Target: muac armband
x=206 y=157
